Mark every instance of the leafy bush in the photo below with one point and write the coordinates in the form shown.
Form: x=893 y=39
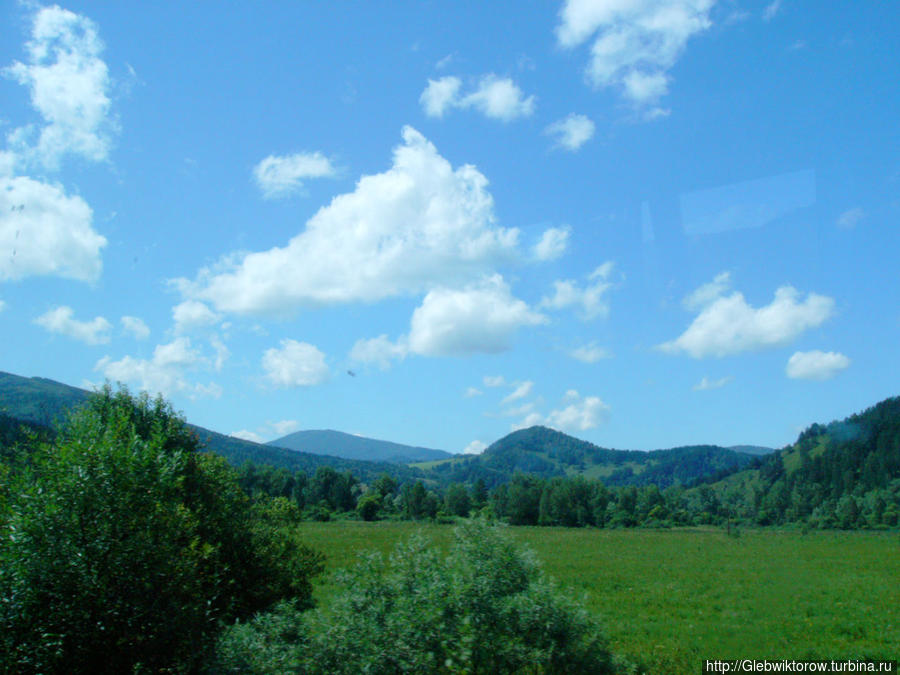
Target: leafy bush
x=123 y=548
x=484 y=607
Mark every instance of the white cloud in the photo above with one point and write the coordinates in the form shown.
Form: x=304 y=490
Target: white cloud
x=164 y=373
x=418 y=225
x=282 y=176
x=69 y=88
x=590 y=353
x=245 y=435
x=771 y=10
x=45 y=232
x=815 y=365
x=586 y=413
x=851 y=218
x=589 y=299
x=708 y=292
x=493 y=380
x=440 y=95
x=444 y=62
x=222 y=352
x=295 y=364
x=192 y=314
x=522 y=390
x=581 y=414
x=136 y=327
x=553 y=243
x=499 y=98
x=2 y=305
x=61 y=320
x=706 y=384
x=637 y=41
x=379 y=351
x=284 y=427
x=480 y=318
x=727 y=325
x=494 y=97
x=475 y=448
x=472 y=392
x=572 y=132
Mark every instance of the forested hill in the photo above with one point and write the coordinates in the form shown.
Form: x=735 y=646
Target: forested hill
x=838 y=474
x=547 y=453
x=41 y=403
x=350 y=446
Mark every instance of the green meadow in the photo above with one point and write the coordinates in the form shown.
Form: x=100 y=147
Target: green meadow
x=671 y=598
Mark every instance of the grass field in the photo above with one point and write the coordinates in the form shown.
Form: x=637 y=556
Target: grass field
x=671 y=598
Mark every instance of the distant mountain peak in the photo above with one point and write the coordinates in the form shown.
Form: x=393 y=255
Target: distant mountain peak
x=354 y=446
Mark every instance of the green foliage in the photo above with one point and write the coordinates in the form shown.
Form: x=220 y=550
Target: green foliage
x=483 y=607
x=369 y=505
x=123 y=548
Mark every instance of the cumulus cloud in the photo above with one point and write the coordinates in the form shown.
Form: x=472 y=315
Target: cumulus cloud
x=2 y=305
x=706 y=384
x=472 y=392
x=69 y=85
x=851 y=218
x=245 y=435
x=192 y=314
x=440 y=95
x=708 y=292
x=635 y=42
x=727 y=324
x=282 y=176
x=475 y=448
x=284 y=427
x=294 y=364
x=482 y=317
x=45 y=232
x=499 y=98
x=522 y=390
x=494 y=380
x=590 y=299
x=62 y=320
x=572 y=132
x=418 y=225
x=136 y=327
x=494 y=97
x=815 y=365
x=583 y=414
x=164 y=373
x=590 y=353
x=379 y=351
x=553 y=243
x=580 y=414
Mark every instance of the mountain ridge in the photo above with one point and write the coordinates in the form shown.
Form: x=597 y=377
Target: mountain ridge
x=352 y=446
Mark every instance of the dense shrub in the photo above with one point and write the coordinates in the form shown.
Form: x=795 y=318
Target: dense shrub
x=483 y=608
x=123 y=548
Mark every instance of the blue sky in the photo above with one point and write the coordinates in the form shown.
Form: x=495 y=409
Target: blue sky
x=645 y=223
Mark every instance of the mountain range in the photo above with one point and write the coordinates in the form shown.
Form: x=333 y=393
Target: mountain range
x=352 y=446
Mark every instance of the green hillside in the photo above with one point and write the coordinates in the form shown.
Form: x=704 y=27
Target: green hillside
x=548 y=453
x=842 y=474
x=41 y=403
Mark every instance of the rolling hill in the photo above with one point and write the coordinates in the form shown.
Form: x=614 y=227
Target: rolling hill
x=547 y=453
x=350 y=446
x=42 y=403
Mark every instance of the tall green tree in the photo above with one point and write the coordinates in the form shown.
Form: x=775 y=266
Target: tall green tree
x=123 y=548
